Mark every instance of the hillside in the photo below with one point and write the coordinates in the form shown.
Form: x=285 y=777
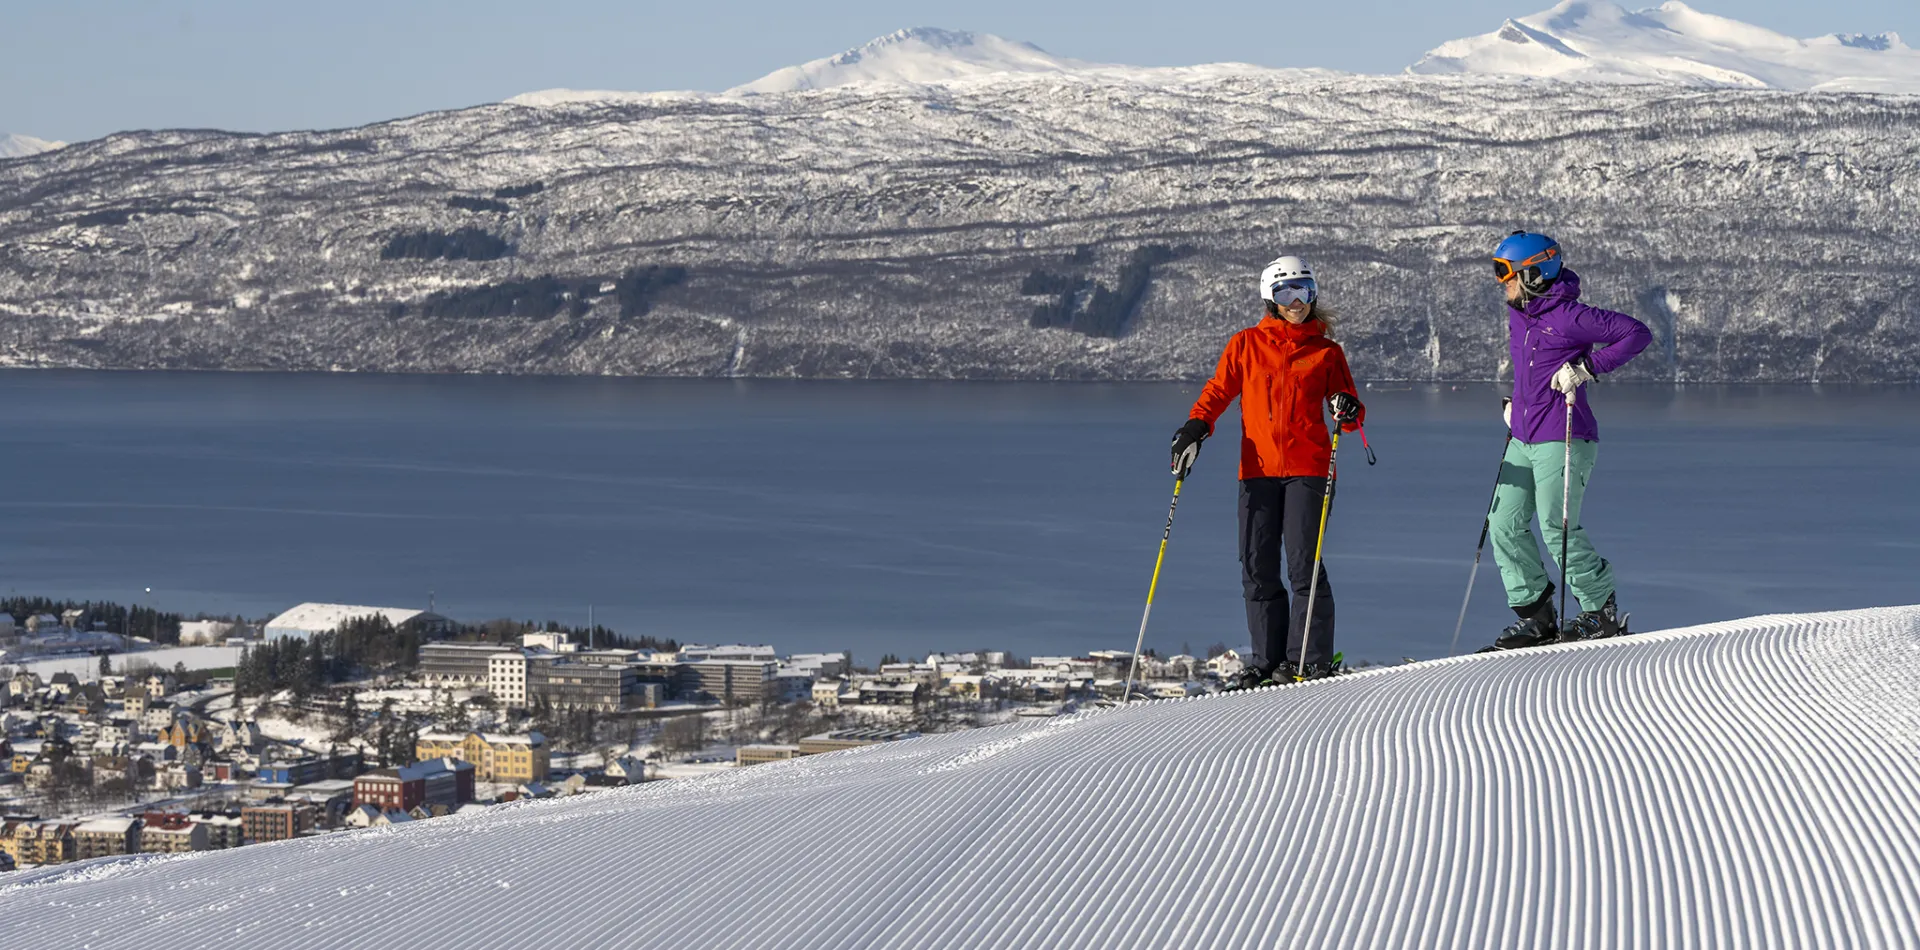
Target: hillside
x=1083 y=226
x=1749 y=783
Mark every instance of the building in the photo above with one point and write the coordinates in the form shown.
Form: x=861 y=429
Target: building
x=495 y=757
x=508 y=673
x=520 y=678
x=308 y=619
x=329 y=798
x=1225 y=665
x=728 y=681
x=300 y=771
x=178 y=776
x=548 y=640
x=628 y=769
x=165 y=832
x=819 y=666
x=275 y=821
x=581 y=683
x=106 y=836
x=759 y=754
x=850 y=739
x=9 y=842
x=43 y=842
x=892 y=692
x=693 y=652
x=829 y=694
x=455 y=664
x=439 y=781
x=224 y=830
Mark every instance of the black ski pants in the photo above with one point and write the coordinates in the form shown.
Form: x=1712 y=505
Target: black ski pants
x=1278 y=513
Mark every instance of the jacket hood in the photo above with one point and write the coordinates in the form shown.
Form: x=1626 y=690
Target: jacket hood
x=1566 y=289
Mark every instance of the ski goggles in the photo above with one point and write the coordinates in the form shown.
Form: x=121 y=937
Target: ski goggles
x=1504 y=270
x=1288 y=292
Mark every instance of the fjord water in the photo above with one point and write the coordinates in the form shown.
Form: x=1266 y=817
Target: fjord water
x=900 y=517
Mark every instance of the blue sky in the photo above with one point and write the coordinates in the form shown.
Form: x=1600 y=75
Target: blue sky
x=78 y=70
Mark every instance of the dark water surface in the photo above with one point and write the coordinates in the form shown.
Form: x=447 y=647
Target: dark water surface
x=900 y=516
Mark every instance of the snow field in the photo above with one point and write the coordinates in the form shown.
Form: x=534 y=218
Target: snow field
x=87 y=666
x=1744 y=784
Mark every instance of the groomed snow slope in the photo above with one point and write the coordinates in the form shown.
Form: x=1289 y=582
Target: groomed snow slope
x=1745 y=784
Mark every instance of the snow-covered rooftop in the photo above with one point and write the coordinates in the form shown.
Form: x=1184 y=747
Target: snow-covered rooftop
x=1749 y=783
x=318 y=618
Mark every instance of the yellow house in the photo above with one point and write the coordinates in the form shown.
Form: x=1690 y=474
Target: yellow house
x=21 y=763
x=495 y=758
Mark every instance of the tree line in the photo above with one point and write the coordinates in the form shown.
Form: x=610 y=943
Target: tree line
x=156 y=625
x=307 y=666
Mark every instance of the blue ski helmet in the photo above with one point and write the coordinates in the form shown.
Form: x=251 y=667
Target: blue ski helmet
x=1534 y=258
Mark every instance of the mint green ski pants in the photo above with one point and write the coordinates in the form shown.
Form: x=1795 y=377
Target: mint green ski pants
x=1530 y=480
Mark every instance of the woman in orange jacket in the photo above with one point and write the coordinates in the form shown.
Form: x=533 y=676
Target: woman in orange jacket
x=1283 y=370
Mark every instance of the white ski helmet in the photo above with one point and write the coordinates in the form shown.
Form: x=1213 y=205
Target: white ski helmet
x=1282 y=270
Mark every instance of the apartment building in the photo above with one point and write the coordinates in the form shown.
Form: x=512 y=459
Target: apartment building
x=106 y=836
x=163 y=832
x=440 y=781
x=495 y=757
x=275 y=821
x=728 y=681
x=456 y=664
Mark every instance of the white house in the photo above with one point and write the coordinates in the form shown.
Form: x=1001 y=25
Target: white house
x=1225 y=665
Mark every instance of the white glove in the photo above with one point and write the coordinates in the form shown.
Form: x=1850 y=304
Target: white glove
x=1577 y=373
x=1506 y=410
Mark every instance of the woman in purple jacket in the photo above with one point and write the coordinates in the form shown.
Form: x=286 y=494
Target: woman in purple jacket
x=1558 y=345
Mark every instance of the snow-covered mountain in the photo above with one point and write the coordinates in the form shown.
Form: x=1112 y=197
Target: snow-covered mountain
x=19 y=146
x=1743 y=784
x=1095 y=225
x=917 y=55
x=909 y=57
x=1594 y=40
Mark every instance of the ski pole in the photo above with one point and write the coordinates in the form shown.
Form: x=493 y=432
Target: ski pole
x=1126 y=691
x=1313 y=584
x=1566 y=505
x=1485 y=524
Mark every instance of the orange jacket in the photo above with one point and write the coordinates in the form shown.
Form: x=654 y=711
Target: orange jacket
x=1283 y=373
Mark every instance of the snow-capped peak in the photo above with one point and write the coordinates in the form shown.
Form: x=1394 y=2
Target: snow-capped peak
x=20 y=146
x=1600 y=41
x=917 y=55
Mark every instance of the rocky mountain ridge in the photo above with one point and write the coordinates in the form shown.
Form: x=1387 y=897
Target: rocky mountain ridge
x=1077 y=226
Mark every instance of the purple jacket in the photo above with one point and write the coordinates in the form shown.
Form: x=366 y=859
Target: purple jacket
x=1555 y=328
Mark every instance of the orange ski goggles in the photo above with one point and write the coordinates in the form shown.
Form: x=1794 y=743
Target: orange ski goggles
x=1505 y=270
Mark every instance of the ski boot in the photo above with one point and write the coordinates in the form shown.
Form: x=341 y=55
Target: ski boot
x=1249 y=677
x=1538 y=625
x=1595 y=624
x=1318 y=671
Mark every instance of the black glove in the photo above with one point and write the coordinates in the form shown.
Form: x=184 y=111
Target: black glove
x=1346 y=409
x=1186 y=445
